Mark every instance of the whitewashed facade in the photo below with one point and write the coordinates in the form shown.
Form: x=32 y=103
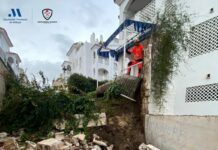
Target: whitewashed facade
x=194 y=89
x=6 y=55
x=82 y=58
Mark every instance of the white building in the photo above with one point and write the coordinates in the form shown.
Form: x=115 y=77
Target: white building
x=200 y=59
x=83 y=59
x=194 y=89
x=10 y=59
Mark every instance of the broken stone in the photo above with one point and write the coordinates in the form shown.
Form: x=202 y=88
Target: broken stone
x=3 y=135
x=84 y=142
x=96 y=147
x=101 y=143
x=80 y=136
x=67 y=143
x=31 y=145
x=75 y=141
x=51 y=134
x=101 y=121
x=9 y=143
x=50 y=144
x=23 y=148
x=151 y=147
x=96 y=136
x=60 y=125
x=110 y=147
x=143 y=146
x=59 y=135
x=66 y=147
x=71 y=132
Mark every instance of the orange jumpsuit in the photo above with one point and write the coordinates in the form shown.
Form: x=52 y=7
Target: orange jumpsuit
x=137 y=51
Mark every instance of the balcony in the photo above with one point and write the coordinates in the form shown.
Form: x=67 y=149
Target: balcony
x=118 y=2
x=136 y=5
x=103 y=63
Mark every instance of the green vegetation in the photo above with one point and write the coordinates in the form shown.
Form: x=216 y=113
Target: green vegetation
x=169 y=42
x=113 y=91
x=78 y=82
x=34 y=108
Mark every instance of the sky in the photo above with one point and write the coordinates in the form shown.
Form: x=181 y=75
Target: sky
x=44 y=46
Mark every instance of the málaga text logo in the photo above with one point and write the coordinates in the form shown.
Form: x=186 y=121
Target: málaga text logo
x=15 y=16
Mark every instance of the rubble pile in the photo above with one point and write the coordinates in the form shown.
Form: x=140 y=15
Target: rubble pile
x=60 y=141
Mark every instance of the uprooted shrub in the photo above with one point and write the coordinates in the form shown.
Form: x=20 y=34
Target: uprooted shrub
x=113 y=91
x=35 y=110
x=80 y=82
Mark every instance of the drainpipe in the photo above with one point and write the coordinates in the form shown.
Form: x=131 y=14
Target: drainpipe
x=124 y=50
x=96 y=71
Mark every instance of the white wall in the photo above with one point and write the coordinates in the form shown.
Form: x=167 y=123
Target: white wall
x=182 y=132
x=4 y=47
x=193 y=71
x=82 y=61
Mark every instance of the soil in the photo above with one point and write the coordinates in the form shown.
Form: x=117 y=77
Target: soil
x=124 y=126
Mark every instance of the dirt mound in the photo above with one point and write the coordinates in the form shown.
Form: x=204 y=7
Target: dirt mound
x=125 y=128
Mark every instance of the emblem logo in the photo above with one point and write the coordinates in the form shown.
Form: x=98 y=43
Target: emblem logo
x=47 y=13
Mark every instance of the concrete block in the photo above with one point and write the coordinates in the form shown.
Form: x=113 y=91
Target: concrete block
x=96 y=147
x=3 y=135
x=50 y=144
x=80 y=136
x=59 y=136
x=9 y=144
x=110 y=147
x=31 y=145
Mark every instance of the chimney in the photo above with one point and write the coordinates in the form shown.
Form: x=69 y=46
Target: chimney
x=92 y=38
x=101 y=38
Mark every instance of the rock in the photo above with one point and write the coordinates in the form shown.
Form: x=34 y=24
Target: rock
x=23 y=148
x=3 y=135
x=60 y=125
x=143 y=146
x=8 y=143
x=151 y=147
x=59 y=135
x=71 y=140
x=84 y=142
x=66 y=147
x=80 y=136
x=67 y=143
x=51 y=134
x=96 y=147
x=101 y=121
x=96 y=136
x=71 y=132
x=110 y=147
x=101 y=143
x=31 y=145
x=50 y=144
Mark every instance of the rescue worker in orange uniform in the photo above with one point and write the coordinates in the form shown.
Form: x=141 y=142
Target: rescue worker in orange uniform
x=137 y=52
